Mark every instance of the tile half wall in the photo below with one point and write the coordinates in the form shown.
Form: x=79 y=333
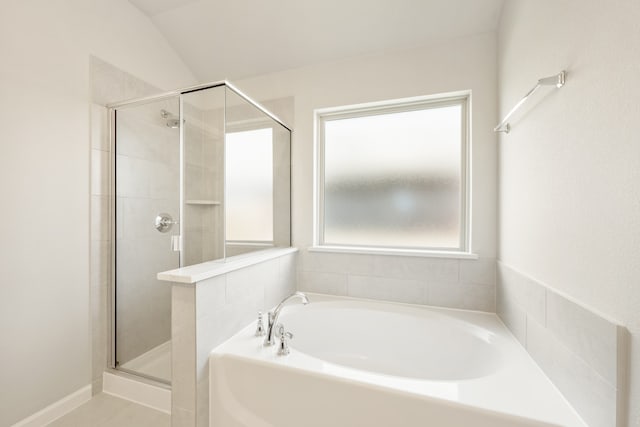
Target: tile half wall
x=582 y=352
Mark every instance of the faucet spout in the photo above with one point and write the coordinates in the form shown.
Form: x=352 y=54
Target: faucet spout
x=273 y=315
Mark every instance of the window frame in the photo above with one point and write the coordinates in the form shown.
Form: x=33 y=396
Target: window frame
x=321 y=116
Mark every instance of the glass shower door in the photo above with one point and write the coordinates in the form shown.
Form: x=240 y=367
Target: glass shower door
x=147 y=217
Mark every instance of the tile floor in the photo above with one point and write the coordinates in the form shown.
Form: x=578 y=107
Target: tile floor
x=104 y=410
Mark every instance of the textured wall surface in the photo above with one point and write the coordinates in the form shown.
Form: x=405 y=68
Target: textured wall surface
x=570 y=168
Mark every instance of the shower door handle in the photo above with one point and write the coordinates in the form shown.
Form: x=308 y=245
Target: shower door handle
x=176 y=243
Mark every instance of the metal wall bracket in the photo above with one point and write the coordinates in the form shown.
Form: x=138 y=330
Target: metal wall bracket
x=557 y=80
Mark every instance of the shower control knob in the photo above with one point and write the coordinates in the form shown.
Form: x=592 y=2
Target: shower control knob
x=164 y=222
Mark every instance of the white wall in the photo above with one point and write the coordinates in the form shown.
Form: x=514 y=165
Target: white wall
x=570 y=168
x=459 y=64
x=44 y=183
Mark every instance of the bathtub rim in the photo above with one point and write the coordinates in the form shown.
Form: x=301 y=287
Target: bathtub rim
x=488 y=320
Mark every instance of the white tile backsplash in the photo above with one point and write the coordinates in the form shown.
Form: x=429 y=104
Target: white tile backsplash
x=323 y=283
x=437 y=269
x=388 y=289
x=336 y=263
x=522 y=291
x=464 y=296
x=478 y=271
x=370 y=287
x=591 y=395
x=468 y=284
x=584 y=333
x=579 y=350
x=513 y=316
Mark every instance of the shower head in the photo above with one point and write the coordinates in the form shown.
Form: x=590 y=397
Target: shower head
x=172 y=121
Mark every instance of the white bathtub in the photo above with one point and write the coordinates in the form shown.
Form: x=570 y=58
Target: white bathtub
x=365 y=363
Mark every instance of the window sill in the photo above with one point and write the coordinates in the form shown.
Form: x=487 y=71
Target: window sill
x=394 y=252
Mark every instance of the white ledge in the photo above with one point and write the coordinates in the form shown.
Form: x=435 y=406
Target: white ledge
x=397 y=252
x=199 y=272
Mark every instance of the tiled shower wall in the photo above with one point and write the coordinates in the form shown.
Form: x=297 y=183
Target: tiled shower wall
x=455 y=283
x=148 y=170
x=204 y=138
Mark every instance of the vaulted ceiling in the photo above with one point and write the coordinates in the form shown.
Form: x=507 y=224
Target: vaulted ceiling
x=234 y=39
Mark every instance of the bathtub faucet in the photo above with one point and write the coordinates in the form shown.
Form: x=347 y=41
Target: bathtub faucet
x=273 y=316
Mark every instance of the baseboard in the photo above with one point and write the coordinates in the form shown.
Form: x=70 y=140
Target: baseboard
x=145 y=394
x=57 y=409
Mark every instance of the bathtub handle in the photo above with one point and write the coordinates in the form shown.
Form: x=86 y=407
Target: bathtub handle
x=283 y=348
x=260 y=332
x=282 y=333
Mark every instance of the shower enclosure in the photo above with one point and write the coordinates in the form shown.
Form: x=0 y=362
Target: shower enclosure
x=198 y=175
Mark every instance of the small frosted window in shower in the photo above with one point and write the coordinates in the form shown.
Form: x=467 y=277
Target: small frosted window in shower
x=249 y=185
x=393 y=176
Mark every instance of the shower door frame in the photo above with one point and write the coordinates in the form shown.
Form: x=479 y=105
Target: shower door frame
x=112 y=117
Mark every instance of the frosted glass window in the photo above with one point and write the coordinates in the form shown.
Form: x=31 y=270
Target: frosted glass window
x=394 y=177
x=249 y=182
